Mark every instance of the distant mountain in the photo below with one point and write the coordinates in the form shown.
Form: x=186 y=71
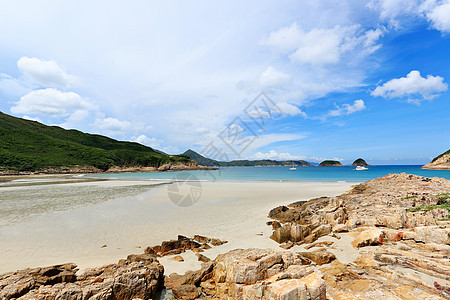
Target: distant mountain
x=360 y=162
x=200 y=159
x=441 y=162
x=264 y=163
x=330 y=163
x=31 y=146
x=203 y=161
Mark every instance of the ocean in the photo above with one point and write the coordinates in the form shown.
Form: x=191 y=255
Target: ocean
x=305 y=174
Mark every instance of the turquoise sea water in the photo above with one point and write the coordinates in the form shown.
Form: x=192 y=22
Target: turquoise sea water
x=283 y=174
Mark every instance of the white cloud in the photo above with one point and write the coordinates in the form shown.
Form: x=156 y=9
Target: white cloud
x=272 y=78
x=267 y=80
x=290 y=109
x=412 y=86
x=285 y=39
x=322 y=46
x=52 y=103
x=155 y=144
x=32 y=119
x=438 y=14
x=112 y=125
x=45 y=73
x=347 y=109
x=395 y=12
x=274 y=155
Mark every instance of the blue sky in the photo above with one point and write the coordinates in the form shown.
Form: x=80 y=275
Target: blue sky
x=348 y=79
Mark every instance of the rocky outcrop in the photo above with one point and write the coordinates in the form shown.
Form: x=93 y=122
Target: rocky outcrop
x=394 y=201
x=182 y=244
x=442 y=162
x=138 y=276
x=399 y=227
x=252 y=274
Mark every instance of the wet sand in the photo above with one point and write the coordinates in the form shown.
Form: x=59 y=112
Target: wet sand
x=99 y=222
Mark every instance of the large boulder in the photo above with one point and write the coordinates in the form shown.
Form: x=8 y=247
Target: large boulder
x=139 y=276
x=369 y=237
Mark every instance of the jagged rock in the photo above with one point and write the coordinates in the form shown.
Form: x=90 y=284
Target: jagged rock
x=217 y=242
x=320 y=257
x=202 y=239
x=368 y=237
x=190 y=277
x=187 y=292
x=202 y=258
x=139 y=276
x=177 y=258
x=340 y=228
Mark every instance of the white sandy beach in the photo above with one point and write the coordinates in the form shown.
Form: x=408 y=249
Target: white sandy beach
x=116 y=218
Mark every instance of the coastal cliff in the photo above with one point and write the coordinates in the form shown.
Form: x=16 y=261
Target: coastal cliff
x=442 y=162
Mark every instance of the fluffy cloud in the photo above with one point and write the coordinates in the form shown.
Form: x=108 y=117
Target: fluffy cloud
x=438 y=14
x=45 y=73
x=395 y=12
x=347 y=109
x=155 y=144
x=322 y=46
x=412 y=86
x=112 y=125
x=53 y=103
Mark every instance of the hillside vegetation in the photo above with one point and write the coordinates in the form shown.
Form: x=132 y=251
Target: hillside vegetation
x=31 y=146
x=330 y=163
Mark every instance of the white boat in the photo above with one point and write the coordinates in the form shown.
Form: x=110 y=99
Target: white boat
x=361 y=168
x=293 y=168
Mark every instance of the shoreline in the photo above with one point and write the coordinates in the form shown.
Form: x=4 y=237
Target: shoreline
x=233 y=211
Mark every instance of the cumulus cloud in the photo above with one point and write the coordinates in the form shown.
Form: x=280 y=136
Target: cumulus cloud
x=155 y=144
x=112 y=125
x=322 y=46
x=347 y=109
x=53 y=103
x=413 y=86
x=45 y=73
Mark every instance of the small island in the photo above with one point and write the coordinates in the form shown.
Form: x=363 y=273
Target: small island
x=441 y=162
x=360 y=163
x=330 y=163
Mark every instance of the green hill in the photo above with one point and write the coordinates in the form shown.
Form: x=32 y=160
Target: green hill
x=360 y=162
x=330 y=163
x=200 y=159
x=31 y=146
x=204 y=161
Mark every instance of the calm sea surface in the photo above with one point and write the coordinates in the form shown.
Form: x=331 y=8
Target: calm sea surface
x=283 y=174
